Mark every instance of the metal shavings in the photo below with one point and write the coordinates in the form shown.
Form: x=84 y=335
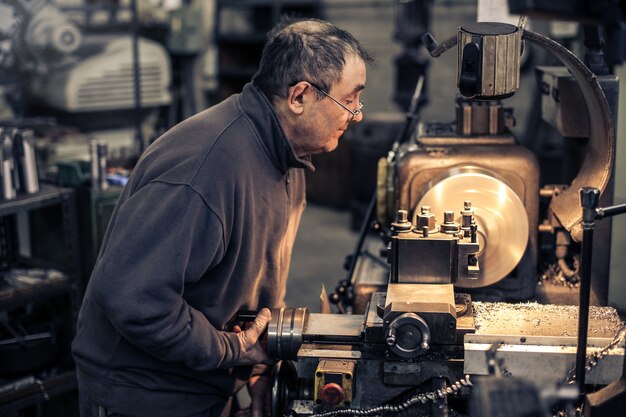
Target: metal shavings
x=554 y=275
x=578 y=412
x=594 y=357
x=534 y=319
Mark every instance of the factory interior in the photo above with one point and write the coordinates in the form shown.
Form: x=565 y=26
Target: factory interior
x=461 y=252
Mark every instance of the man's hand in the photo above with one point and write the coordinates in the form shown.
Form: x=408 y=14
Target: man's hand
x=251 y=350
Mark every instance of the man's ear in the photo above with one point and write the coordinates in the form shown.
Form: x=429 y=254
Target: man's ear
x=297 y=96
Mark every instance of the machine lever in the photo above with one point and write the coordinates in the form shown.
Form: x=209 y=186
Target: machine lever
x=241 y=316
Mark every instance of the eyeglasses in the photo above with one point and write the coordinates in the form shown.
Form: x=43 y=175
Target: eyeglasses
x=354 y=113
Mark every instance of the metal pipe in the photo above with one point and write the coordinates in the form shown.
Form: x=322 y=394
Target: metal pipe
x=610 y=211
x=24 y=148
x=589 y=198
x=136 y=75
x=583 y=315
x=7 y=167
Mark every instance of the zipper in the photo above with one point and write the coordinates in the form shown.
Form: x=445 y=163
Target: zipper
x=287 y=187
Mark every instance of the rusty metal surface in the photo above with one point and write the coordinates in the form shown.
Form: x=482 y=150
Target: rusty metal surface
x=534 y=319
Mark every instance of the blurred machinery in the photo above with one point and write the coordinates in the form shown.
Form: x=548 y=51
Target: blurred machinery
x=75 y=74
x=55 y=69
x=82 y=93
x=102 y=77
x=432 y=329
x=41 y=37
x=69 y=68
x=412 y=20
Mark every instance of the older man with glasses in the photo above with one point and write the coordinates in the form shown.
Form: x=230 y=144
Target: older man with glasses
x=205 y=228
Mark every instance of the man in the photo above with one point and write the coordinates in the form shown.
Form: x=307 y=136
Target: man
x=205 y=227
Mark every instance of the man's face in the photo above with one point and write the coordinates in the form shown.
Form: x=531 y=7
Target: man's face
x=325 y=120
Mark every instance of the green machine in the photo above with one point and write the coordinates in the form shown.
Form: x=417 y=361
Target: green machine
x=94 y=206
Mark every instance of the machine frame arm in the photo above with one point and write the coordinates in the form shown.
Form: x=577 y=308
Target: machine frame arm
x=597 y=166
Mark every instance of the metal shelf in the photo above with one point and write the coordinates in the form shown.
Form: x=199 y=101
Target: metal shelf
x=48 y=195
x=54 y=208
x=35 y=391
x=13 y=296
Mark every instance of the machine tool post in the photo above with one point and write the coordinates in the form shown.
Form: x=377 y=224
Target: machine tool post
x=589 y=198
x=467 y=221
x=402 y=223
x=449 y=226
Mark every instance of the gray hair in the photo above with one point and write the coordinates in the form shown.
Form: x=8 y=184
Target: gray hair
x=305 y=50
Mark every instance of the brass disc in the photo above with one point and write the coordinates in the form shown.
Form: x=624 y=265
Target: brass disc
x=499 y=213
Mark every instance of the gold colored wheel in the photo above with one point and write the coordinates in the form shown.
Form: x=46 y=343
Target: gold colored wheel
x=499 y=213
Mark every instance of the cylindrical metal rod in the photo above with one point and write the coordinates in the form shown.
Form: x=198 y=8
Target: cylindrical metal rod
x=136 y=75
x=284 y=332
x=24 y=149
x=583 y=319
x=290 y=328
x=610 y=211
x=589 y=198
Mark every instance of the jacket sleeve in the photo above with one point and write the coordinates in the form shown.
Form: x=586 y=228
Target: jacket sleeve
x=161 y=238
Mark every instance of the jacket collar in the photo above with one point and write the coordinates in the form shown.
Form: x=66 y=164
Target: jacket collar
x=258 y=109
